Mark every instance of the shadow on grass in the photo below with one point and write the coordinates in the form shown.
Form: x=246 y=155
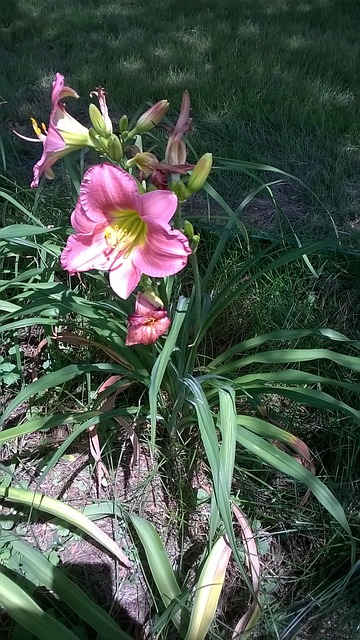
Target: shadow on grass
x=96 y=581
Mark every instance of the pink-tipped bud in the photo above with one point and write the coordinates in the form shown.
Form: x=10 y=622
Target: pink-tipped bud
x=152 y=116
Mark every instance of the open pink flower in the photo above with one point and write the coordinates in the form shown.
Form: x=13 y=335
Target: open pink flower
x=123 y=232
x=64 y=133
x=148 y=323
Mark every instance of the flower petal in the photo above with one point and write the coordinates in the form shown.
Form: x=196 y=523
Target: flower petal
x=81 y=223
x=85 y=252
x=144 y=333
x=59 y=91
x=164 y=253
x=124 y=278
x=158 y=206
x=106 y=189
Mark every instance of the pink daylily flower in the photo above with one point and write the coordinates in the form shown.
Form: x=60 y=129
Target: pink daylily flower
x=147 y=323
x=120 y=231
x=63 y=135
x=176 y=150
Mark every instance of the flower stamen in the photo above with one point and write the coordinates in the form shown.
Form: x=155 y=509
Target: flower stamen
x=128 y=232
x=36 y=127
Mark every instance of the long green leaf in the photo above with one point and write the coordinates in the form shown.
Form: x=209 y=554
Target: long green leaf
x=21 y=208
x=219 y=476
x=55 y=580
x=281 y=335
x=58 y=378
x=272 y=432
x=65 y=512
x=228 y=427
x=286 y=464
x=162 y=361
x=49 y=422
x=23 y=230
x=160 y=566
x=28 y=614
x=291 y=376
x=28 y=322
x=311 y=397
x=283 y=356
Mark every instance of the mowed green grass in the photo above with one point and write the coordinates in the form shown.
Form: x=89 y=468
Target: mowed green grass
x=274 y=81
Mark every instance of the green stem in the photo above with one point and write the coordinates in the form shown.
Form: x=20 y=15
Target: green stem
x=197 y=301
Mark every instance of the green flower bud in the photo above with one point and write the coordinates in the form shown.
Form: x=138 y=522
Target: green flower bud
x=97 y=120
x=188 y=229
x=123 y=124
x=99 y=143
x=199 y=174
x=180 y=190
x=115 y=150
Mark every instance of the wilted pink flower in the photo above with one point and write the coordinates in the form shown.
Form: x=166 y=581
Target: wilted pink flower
x=64 y=133
x=176 y=150
x=123 y=232
x=148 y=323
x=159 y=171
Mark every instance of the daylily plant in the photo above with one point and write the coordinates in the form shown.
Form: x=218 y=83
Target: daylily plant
x=123 y=225
x=128 y=223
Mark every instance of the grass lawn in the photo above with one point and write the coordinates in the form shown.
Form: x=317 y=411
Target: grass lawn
x=274 y=81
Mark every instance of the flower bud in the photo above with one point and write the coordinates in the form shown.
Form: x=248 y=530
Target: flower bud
x=188 y=229
x=153 y=298
x=115 y=150
x=180 y=190
x=199 y=174
x=97 y=120
x=152 y=116
x=99 y=142
x=123 y=123
x=100 y=93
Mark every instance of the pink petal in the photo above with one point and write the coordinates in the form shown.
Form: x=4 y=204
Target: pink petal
x=143 y=306
x=158 y=206
x=81 y=222
x=44 y=166
x=86 y=252
x=59 y=91
x=164 y=253
x=106 y=189
x=146 y=333
x=53 y=141
x=184 y=122
x=124 y=278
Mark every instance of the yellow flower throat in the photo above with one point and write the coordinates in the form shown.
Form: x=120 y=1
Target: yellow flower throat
x=126 y=232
